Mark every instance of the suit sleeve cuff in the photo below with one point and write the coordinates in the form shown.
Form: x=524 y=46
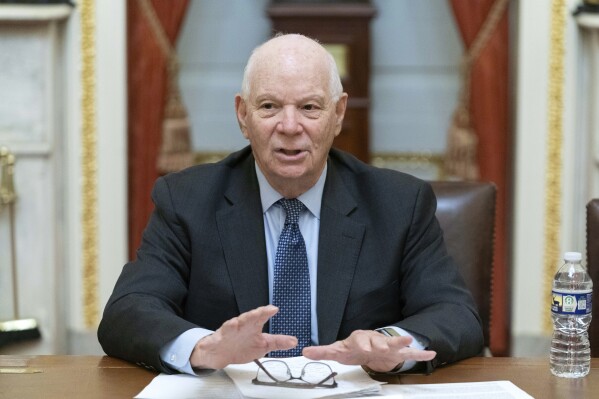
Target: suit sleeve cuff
x=176 y=353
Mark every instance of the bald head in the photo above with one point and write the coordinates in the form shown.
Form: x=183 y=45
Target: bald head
x=291 y=51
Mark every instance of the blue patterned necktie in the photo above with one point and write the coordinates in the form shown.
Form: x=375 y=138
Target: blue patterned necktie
x=291 y=285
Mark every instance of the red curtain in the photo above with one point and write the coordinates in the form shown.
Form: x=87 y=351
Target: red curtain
x=489 y=106
x=146 y=86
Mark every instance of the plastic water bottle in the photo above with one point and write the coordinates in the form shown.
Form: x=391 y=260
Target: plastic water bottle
x=571 y=305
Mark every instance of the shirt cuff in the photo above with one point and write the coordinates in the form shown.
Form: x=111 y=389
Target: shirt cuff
x=418 y=342
x=176 y=353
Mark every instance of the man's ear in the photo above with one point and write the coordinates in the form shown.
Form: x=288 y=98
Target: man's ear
x=241 y=112
x=340 y=108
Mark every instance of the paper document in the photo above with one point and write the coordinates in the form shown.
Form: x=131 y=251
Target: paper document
x=478 y=390
x=219 y=385
x=183 y=386
x=352 y=381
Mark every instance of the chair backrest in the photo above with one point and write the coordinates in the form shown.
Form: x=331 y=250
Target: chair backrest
x=466 y=213
x=593 y=268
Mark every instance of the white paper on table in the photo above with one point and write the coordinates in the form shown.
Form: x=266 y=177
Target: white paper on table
x=350 y=380
x=478 y=390
x=219 y=385
x=184 y=386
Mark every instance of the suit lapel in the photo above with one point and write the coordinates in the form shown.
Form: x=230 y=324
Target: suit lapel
x=340 y=240
x=241 y=230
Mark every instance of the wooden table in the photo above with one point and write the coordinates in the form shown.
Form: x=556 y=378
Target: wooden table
x=105 y=377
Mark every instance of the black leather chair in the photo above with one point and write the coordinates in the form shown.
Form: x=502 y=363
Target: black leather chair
x=466 y=212
x=593 y=268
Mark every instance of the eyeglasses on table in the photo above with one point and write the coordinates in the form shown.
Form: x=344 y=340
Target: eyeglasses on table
x=277 y=373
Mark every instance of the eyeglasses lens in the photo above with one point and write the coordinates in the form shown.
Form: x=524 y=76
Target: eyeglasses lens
x=314 y=373
x=277 y=369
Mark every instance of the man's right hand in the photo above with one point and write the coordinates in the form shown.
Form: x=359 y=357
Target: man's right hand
x=240 y=340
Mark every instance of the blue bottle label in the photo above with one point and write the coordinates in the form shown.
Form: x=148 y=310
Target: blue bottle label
x=572 y=303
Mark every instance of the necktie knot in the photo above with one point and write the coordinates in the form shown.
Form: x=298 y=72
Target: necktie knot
x=293 y=208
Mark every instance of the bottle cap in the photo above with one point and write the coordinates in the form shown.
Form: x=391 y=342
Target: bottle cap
x=572 y=256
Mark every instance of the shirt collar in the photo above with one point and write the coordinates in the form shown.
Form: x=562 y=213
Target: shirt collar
x=312 y=198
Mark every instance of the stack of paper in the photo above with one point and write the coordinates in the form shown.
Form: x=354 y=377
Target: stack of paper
x=351 y=381
x=478 y=390
x=183 y=386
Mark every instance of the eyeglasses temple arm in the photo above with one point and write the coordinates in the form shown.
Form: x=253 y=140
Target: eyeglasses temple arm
x=332 y=375
x=264 y=369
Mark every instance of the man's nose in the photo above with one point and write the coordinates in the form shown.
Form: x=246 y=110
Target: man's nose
x=289 y=122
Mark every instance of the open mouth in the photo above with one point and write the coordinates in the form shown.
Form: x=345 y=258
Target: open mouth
x=289 y=152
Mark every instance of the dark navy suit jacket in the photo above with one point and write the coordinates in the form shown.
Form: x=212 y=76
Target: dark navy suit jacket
x=381 y=261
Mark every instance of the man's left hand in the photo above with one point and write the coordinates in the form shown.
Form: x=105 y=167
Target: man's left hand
x=371 y=349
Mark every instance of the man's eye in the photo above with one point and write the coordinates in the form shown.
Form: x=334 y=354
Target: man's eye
x=267 y=106
x=309 y=107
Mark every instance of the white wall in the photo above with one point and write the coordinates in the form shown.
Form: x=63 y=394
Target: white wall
x=111 y=160
x=531 y=127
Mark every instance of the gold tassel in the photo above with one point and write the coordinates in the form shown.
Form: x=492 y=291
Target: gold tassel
x=175 y=151
x=460 y=158
x=462 y=142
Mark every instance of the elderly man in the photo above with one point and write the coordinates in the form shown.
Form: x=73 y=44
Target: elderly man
x=289 y=247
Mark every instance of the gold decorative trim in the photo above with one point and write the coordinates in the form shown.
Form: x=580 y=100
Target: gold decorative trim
x=554 y=155
x=209 y=156
x=89 y=198
x=411 y=161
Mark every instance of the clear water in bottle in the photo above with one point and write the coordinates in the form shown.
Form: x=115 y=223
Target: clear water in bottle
x=571 y=305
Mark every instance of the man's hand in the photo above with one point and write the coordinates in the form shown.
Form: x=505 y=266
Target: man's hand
x=371 y=349
x=240 y=340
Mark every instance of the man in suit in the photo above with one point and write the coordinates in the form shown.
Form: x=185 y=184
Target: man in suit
x=378 y=289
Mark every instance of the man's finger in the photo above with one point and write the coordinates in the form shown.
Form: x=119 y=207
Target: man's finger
x=278 y=342
x=417 y=354
x=399 y=342
x=323 y=352
x=257 y=317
